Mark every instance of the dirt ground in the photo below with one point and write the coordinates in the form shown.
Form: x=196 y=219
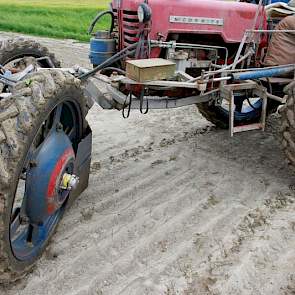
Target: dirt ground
x=174 y=206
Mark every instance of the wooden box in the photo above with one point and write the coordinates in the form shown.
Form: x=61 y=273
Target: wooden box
x=143 y=70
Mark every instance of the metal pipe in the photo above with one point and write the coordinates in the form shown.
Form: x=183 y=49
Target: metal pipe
x=270 y=31
x=289 y=87
x=263 y=73
x=252 y=40
x=250 y=69
x=126 y=51
x=220 y=79
x=249 y=52
x=240 y=49
x=277 y=98
x=172 y=44
x=222 y=69
x=207 y=47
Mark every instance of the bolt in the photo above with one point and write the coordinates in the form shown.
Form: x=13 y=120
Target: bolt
x=69 y=182
x=33 y=163
x=59 y=127
x=24 y=219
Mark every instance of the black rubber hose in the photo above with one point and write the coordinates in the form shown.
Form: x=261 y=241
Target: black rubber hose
x=98 y=17
x=131 y=49
x=122 y=72
x=126 y=51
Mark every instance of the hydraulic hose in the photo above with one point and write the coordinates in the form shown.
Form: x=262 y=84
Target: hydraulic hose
x=224 y=68
x=126 y=51
x=98 y=17
x=113 y=69
x=131 y=49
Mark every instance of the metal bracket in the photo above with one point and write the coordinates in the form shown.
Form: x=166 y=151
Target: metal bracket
x=157 y=102
x=100 y=90
x=227 y=92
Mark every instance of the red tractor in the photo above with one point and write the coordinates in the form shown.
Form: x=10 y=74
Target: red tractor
x=197 y=36
x=156 y=55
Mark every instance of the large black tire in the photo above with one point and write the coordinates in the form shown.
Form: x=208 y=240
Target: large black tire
x=220 y=118
x=12 y=49
x=211 y=114
x=288 y=126
x=20 y=119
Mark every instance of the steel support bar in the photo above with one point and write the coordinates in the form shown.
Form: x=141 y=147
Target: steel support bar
x=289 y=87
x=108 y=97
x=281 y=100
x=270 y=31
x=161 y=83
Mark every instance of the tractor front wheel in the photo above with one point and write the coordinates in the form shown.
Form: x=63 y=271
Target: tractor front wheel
x=41 y=125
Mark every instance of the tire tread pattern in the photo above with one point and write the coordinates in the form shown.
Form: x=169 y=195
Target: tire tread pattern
x=288 y=127
x=19 y=116
x=17 y=46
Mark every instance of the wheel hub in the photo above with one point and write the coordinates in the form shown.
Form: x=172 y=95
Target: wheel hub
x=69 y=182
x=51 y=179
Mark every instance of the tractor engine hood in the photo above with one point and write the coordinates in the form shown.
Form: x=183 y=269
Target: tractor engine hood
x=228 y=19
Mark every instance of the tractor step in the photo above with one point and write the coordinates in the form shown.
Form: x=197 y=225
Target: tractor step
x=227 y=92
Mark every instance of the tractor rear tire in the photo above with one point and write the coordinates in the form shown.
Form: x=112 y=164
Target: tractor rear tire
x=21 y=116
x=288 y=126
x=12 y=49
x=211 y=114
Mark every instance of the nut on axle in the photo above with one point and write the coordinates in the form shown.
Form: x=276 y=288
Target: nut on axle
x=69 y=182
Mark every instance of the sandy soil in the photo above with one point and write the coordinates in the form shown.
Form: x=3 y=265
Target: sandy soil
x=174 y=206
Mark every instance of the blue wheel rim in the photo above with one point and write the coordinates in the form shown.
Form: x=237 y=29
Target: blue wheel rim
x=23 y=249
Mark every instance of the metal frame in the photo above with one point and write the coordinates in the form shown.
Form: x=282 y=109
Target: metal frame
x=105 y=91
x=227 y=93
x=101 y=91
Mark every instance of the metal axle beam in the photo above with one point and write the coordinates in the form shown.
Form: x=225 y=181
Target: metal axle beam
x=109 y=97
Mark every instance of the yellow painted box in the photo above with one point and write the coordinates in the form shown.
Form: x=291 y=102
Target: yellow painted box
x=144 y=70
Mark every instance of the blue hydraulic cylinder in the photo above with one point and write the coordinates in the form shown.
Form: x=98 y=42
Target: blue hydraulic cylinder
x=263 y=73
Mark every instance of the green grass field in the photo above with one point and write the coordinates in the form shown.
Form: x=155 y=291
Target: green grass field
x=52 y=18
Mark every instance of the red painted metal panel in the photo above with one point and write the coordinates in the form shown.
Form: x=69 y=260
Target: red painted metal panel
x=237 y=17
